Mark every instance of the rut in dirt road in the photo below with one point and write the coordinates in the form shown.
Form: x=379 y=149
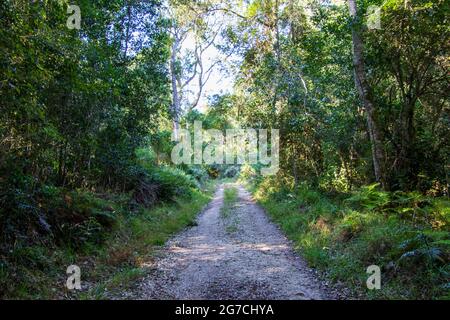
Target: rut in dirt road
x=251 y=260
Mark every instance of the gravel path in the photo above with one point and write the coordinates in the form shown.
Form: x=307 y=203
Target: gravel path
x=238 y=256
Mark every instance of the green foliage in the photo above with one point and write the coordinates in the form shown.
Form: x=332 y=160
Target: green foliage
x=85 y=118
x=198 y=172
x=247 y=172
x=297 y=75
x=411 y=206
x=231 y=172
x=32 y=271
x=78 y=110
x=82 y=219
x=75 y=101
x=344 y=237
x=428 y=247
x=370 y=197
x=146 y=157
x=173 y=182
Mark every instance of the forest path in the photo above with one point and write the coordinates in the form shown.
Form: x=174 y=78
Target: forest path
x=241 y=255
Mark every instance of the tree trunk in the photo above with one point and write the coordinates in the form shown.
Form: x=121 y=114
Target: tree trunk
x=364 y=92
x=407 y=154
x=175 y=96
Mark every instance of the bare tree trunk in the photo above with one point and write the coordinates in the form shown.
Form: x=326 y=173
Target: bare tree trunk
x=175 y=94
x=364 y=92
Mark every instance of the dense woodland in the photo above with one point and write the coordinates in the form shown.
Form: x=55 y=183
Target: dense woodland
x=88 y=116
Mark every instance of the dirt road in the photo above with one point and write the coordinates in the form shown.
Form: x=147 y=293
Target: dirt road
x=238 y=256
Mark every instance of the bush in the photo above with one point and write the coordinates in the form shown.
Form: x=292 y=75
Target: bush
x=231 y=172
x=172 y=182
x=79 y=218
x=146 y=157
x=146 y=193
x=21 y=215
x=406 y=234
x=198 y=172
x=369 y=197
x=151 y=184
x=247 y=172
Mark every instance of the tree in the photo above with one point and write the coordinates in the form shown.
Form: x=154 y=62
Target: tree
x=190 y=23
x=365 y=93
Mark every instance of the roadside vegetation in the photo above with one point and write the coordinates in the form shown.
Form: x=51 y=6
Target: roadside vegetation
x=405 y=233
x=130 y=252
x=230 y=197
x=229 y=200
x=110 y=237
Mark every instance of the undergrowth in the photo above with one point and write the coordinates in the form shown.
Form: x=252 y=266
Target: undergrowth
x=109 y=236
x=406 y=234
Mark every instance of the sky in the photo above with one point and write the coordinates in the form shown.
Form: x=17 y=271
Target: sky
x=221 y=81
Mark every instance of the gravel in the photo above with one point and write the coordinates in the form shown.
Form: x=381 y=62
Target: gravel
x=238 y=256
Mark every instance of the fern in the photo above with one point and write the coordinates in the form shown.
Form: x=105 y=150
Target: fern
x=370 y=197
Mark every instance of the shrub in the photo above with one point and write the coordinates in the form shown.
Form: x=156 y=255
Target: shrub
x=146 y=193
x=172 y=182
x=406 y=234
x=370 y=197
x=198 y=172
x=21 y=215
x=231 y=172
x=79 y=218
x=247 y=172
x=146 y=157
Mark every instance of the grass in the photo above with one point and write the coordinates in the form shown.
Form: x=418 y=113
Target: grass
x=405 y=234
x=39 y=271
x=229 y=201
